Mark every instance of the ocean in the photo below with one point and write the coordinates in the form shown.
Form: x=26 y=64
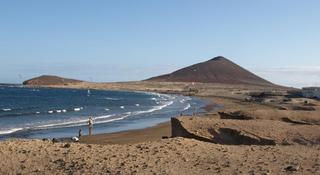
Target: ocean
x=60 y=113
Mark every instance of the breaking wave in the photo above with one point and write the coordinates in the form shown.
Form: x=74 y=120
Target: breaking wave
x=187 y=107
x=9 y=131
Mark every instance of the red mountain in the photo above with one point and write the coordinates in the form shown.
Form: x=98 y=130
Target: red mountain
x=216 y=70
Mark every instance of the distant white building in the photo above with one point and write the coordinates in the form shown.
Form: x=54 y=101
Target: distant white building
x=311 y=92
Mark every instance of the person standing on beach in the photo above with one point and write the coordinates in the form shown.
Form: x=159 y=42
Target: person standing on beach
x=90 y=124
x=80 y=133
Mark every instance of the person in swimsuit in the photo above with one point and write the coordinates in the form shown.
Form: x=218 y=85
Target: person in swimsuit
x=90 y=125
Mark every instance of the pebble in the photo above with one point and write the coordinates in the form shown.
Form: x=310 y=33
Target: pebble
x=67 y=145
x=292 y=168
x=266 y=172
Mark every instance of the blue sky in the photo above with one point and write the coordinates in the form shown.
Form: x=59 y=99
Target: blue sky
x=132 y=40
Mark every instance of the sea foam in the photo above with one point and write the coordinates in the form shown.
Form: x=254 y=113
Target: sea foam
x=77 y=109
x=6 y=109
x=9 y=131
x=187 y=107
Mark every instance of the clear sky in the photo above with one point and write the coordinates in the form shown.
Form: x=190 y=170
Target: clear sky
x=104 y=40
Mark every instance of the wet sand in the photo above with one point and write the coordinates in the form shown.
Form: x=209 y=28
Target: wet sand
x=154 y=133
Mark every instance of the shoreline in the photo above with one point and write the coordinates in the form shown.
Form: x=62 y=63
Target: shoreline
x=156 y=130
x=153 y=133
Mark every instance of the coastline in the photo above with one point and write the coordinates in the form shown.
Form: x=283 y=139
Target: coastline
x=147 y=134
x=150 y=126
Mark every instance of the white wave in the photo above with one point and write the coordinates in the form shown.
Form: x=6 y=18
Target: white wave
x=137 y=104
x=187 y=107
x=150 y=93
x=69 y=123
x=10 y=131
x=109 y=98
x=103 y=117
x=37 y=112
x=50 y=112
x=58 y=111
x=127 y=114
x=122 y=107
x=165 y=105
x=156 y=108
x=107 y=109
x=188 y=98
x=63 y=124
x=162 y=96
x=81 y=122
x=154 y=99
x=66 y=124
x=77 y=109
x=111 y=120
x=6 y=109
x=64 y=110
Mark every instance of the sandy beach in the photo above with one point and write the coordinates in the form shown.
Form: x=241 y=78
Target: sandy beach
x=169 y=156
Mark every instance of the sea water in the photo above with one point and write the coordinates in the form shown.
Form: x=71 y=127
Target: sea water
x=56 y=113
